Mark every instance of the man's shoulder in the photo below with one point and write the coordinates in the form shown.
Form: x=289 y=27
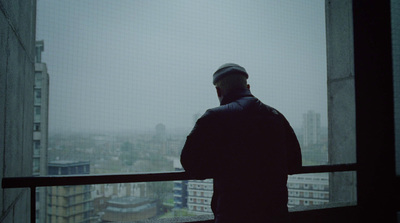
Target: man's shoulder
x=216 y=115
x=258 y=106
x=242 y=105
x=272 y=110
x=215 y=111
x=209 y=115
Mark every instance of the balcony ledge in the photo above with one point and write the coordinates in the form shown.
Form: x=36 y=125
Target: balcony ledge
x=209 y=218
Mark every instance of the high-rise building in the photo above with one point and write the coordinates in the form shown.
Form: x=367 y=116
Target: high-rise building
x=69 y=203
x=311 y=128
x=40 y=127
x=303 y=190
x=161 y=134
x=308 y=189
x=180 y=188
x=199 y=196
x=160 y=139
x=41 y=113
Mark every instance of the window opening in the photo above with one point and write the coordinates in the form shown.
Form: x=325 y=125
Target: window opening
x=128 y=84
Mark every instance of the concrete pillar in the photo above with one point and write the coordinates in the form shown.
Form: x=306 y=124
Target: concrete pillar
x=341 y=97
x=17 y=44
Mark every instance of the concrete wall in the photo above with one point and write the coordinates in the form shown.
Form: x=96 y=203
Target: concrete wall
x=341 y=97
x=17 y=43
x=395 y=11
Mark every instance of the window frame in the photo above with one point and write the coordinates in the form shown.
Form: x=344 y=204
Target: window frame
x=376 y=184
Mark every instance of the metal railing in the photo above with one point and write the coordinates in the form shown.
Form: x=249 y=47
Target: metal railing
x=46 y=181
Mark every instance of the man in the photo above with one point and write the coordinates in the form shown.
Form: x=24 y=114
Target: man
x=248 y=148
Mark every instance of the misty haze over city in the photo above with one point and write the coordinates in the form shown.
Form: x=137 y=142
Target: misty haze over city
x=133 y=64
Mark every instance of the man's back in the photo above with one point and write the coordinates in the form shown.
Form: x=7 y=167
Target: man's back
x=248 y=148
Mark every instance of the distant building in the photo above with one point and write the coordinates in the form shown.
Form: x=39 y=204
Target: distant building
x=130 y=209
x=102 y=193
x=161 y=133
x=199 y=196
x=303 y=190
x=308 y=189
x=180 y=194
x=40 y=127
x=69 y=203
x=180 y=188
x=160 y=139
x=311 y=128
x=41 y=114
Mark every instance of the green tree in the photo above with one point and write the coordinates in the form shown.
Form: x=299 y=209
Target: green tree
x=160 y=191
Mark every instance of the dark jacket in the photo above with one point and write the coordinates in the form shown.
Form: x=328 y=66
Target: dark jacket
x=248 y=148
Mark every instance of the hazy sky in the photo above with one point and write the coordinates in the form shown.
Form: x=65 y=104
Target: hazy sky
x=119 y=65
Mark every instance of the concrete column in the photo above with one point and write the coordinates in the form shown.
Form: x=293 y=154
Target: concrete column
x=341 y=97
x=17 y=43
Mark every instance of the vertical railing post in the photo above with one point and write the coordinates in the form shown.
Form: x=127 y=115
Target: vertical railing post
x=33 y=204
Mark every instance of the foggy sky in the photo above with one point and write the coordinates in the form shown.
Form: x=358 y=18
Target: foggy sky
x=133 y=64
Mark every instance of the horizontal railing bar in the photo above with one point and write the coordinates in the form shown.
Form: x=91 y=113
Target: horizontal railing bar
x=327 y=168
x=68 y=180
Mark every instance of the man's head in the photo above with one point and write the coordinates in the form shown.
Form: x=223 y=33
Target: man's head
x=230 y=77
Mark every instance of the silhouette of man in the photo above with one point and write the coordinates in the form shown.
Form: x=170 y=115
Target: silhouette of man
x=247 y=147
